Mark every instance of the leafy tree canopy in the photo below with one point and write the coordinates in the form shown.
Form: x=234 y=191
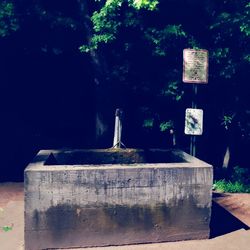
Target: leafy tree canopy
x=137 y=46
x=8 y=19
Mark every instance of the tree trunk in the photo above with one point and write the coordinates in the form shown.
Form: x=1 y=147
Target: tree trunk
x=102 y=103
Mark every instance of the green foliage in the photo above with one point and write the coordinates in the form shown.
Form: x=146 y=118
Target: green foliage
x=228 y=29
x=8 y=20
x=223 y=56
x=173 y=90
x=231 y=187
x=106 y=21
x=160 y=39
x=247 y=58
x=164 y=126
x=219 y=53
x=139 y=46
x=105 y=25
x=148 y=123
x=7 y=228
x=193 y=43
x=245 y=28
x=146 y=4
x=226 y=121
x=95 y=41
x=239 y=182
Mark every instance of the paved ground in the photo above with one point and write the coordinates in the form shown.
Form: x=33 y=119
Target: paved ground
x=234 y=236
x=238 y=240
x=237 y=204
x=11 y=215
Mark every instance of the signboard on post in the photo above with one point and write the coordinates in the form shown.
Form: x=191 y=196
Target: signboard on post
x=194 y=122
x=195 y=66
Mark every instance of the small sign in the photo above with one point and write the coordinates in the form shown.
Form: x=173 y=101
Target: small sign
x=194 y=122
x=195 y=66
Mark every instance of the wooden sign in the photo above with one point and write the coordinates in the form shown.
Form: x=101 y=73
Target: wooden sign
x=195 y=66
x=194 y=122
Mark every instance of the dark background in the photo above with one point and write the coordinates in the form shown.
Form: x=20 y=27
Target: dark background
x=48 y=95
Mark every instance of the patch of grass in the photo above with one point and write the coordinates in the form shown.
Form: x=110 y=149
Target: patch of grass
x=231 y=187
x=7 y=228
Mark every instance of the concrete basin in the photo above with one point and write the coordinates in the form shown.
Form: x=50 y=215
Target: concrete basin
x=100 y=197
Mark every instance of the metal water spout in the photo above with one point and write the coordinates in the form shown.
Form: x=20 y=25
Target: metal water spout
x=117 y=143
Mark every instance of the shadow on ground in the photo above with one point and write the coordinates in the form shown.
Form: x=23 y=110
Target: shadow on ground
x=223 y=222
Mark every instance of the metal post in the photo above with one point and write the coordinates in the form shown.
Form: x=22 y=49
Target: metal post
x=194 y=106
x=118 y=129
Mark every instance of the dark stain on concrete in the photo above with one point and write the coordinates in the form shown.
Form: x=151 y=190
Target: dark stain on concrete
x=66 y=225
x=36 y=218
x=63 y=221
x=134 y=216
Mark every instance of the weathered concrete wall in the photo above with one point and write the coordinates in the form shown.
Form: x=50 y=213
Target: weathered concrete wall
x=97 y=205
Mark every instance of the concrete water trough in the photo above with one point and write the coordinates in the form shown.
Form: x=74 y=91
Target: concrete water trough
x=86 y=198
